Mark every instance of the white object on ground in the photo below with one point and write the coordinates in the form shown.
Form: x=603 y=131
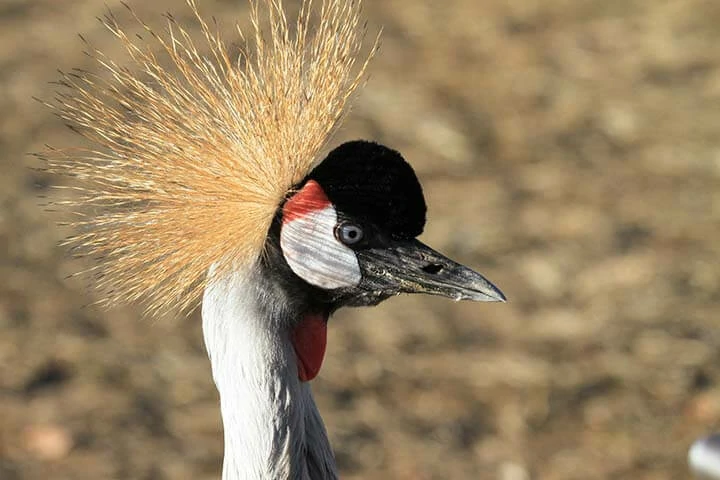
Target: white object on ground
x=704 y=457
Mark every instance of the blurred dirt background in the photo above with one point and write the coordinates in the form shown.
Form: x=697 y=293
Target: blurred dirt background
x=569 y=149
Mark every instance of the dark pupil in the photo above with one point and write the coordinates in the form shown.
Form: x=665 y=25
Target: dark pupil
x=350 y=234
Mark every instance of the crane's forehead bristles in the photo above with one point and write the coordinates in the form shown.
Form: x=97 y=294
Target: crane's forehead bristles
x=190 y=162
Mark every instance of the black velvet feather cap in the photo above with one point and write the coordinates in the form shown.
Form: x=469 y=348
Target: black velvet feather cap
x=368 y=181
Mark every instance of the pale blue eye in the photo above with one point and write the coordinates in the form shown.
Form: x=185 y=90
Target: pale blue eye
x=349 y=233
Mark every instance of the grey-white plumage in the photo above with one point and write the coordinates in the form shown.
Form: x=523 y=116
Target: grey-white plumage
x=272 y=427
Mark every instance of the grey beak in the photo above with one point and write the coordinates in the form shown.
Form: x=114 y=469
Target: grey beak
x=413 y=267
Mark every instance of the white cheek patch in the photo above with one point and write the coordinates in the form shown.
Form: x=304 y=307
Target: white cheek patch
x=311 y=250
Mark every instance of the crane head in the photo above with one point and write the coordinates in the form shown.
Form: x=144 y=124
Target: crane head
x=349 y=231
x=193 y=162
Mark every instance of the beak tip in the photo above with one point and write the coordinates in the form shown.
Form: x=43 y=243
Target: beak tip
x=498 y=296
x=489 y=293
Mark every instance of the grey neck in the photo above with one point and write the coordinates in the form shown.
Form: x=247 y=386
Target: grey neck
x=272 y=427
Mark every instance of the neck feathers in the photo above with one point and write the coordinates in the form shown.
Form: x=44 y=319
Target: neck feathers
x=272 y=426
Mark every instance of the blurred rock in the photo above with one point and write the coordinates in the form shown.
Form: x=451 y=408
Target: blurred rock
x=620 y=124
x=47 y=442
x=704 y=408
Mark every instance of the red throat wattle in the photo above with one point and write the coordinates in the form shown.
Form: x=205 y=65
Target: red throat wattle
x=309 y=339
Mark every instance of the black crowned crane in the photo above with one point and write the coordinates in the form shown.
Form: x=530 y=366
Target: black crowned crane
x=203 y=181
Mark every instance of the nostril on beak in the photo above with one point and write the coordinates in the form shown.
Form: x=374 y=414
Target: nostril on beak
x=432 y=268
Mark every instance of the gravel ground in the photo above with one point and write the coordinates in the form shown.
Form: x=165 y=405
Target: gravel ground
x=569 y=151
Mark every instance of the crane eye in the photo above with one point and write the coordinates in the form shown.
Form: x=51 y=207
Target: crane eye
x=349 y=233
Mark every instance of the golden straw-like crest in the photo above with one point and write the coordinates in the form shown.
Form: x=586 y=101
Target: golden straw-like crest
x=190 y=162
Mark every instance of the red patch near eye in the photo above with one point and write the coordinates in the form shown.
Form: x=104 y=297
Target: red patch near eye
x=310 y=198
